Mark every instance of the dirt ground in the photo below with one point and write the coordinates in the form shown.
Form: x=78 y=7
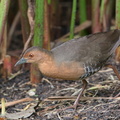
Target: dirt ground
x=48 y=99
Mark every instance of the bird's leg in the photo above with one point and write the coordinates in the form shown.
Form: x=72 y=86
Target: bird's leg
x=115 y=70
x=80 y=94
x=78 y=97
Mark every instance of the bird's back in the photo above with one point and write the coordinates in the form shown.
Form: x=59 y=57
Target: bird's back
x=93 y=47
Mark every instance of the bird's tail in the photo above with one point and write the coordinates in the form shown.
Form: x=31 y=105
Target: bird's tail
x=117 y=43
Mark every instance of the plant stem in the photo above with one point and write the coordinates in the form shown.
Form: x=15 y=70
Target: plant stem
x=24 y=19
x=118 y=14
x=39 y=23
x=4 y=7
x=82 y=14
x=46 y=43
x=73 y=19
x=95 y=16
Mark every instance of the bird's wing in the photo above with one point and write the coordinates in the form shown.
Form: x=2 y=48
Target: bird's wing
x=95 y=47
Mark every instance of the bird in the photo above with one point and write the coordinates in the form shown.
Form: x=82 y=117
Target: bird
x=75 y=59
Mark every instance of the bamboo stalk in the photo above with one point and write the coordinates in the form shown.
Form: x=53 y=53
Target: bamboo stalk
x=72 y=25
x=117 y=52
x=24 y=19
x=82 y=14
x=54 y=17
x=103 y=14
x=39 y=23
x=118 y=14
x=35 y=75
x=49 y=2
x=46 y=43
x=96 y=27
x=109 y=12
x=7 y=66
x=4 y=7
x=4 y=43
x=102 y=10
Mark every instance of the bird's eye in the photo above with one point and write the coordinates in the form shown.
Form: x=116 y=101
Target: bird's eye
x=31 y=55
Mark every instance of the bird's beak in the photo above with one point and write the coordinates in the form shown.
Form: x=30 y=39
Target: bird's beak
x=21 y=61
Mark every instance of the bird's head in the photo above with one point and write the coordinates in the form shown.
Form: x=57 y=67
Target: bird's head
x=33 y=55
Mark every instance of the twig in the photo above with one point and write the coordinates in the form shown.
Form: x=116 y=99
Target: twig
x=46 y=43
x=12 y=28
x=4 y=12
x=64 y=98
x=17 y=102
x=59 y=116
x=3 y=107
x=14 y=75
x=51 y=85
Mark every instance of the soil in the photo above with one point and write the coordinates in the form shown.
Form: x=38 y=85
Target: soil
x=94 y=105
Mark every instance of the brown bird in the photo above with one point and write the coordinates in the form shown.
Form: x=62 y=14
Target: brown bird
x=76 y=59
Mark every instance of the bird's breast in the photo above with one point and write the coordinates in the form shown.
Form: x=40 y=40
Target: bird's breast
x=66 y=70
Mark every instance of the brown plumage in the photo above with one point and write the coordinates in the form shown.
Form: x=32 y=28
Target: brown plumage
x=75 y=59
